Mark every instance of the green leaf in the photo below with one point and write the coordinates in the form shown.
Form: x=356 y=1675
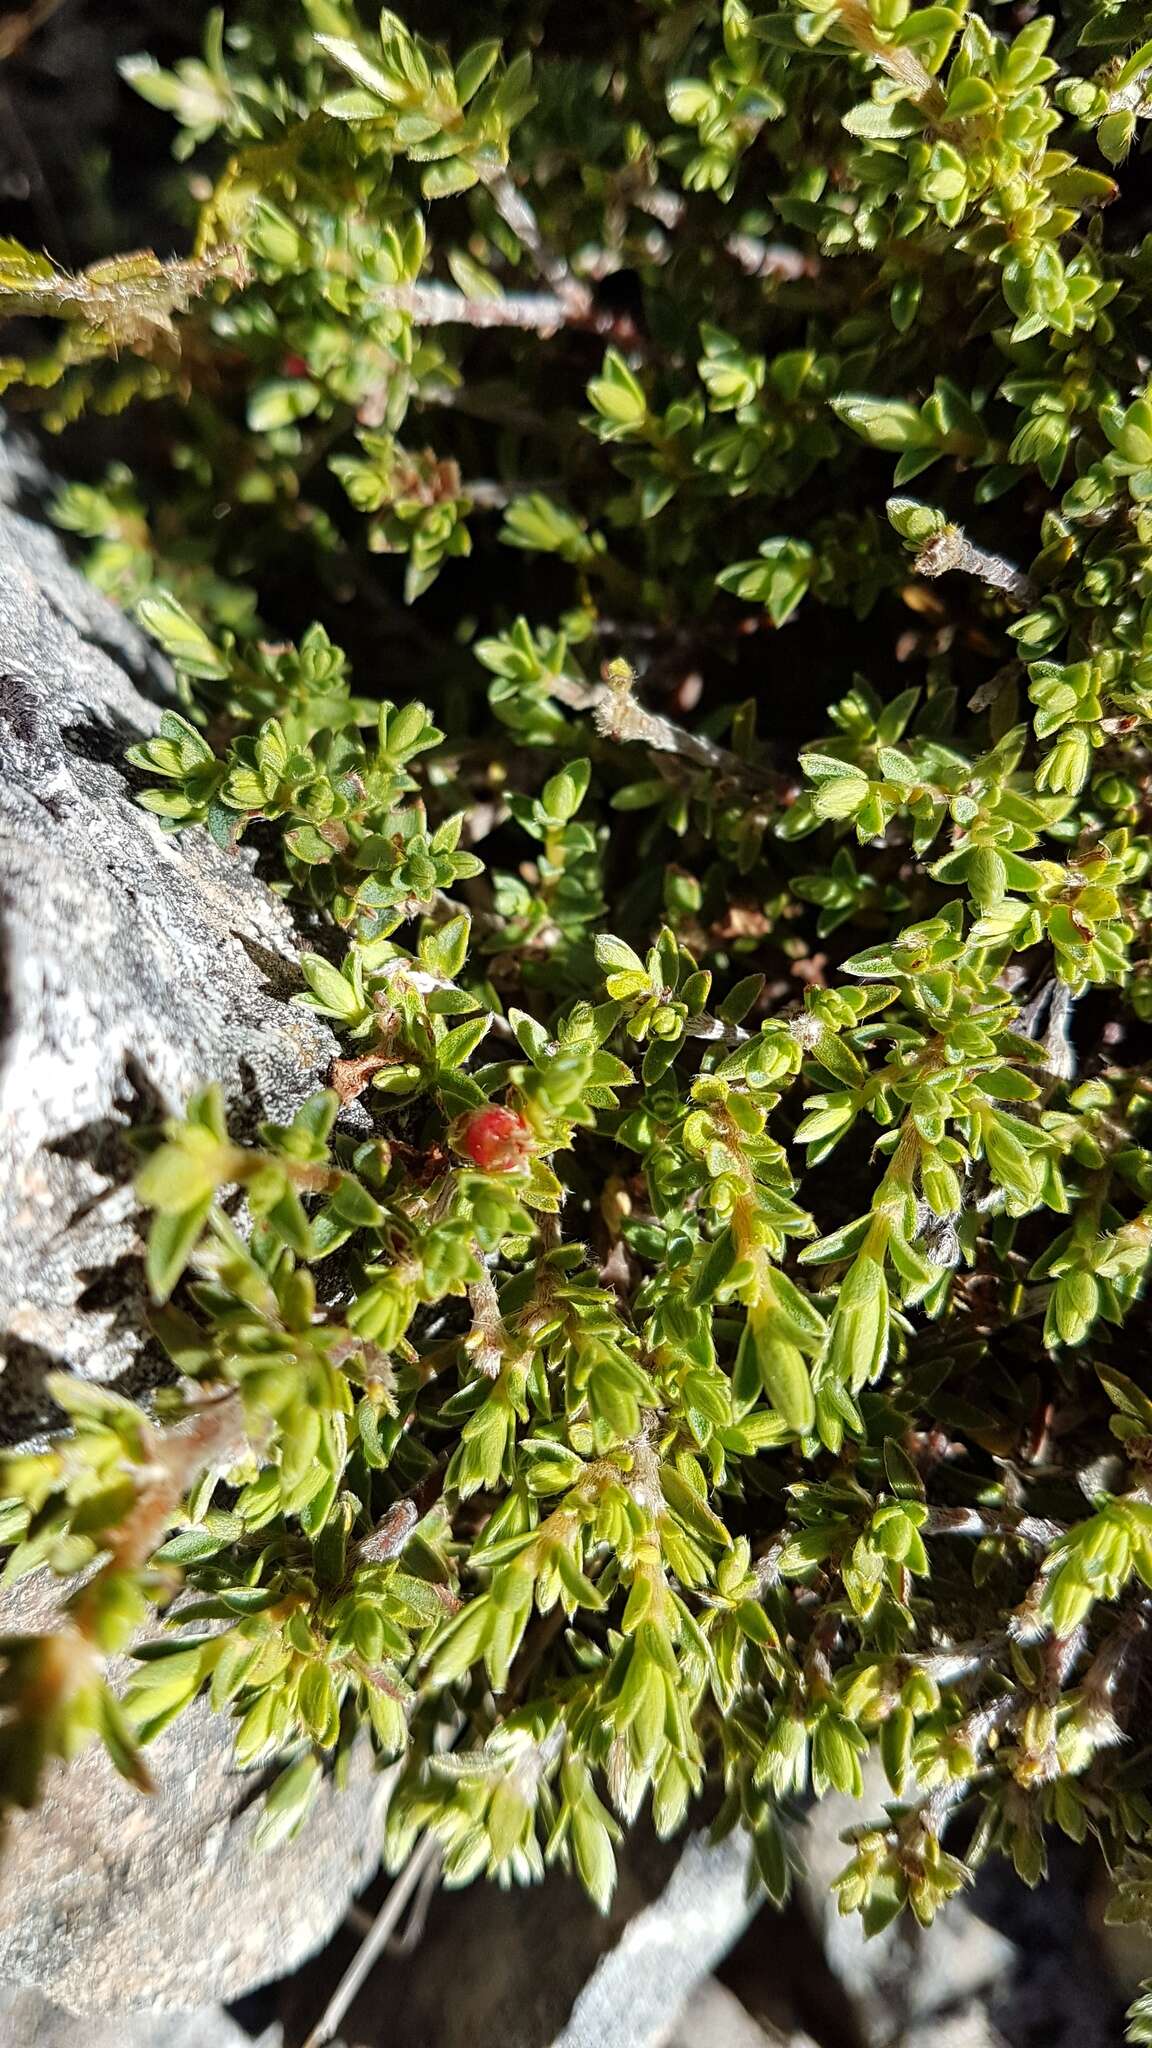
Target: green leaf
x=281 y=402
x=288 y=1804
x=778 y=581
x=613 y=955
x=783 y=1373
x=382 y=85
x=337 y=998
x=185 y=642
x=474 y=67
x=617 y=394
x=188 y=1546
x=884 y=423
x=875 y=121
x=457 y=1046
x=172 y=1238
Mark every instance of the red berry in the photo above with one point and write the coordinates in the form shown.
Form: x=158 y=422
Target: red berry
x=496 y=1140
x=294 y=366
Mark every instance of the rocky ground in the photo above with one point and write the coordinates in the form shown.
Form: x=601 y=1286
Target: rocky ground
x=682 y=1962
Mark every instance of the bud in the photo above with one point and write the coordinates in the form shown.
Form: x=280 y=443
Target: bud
x=495 y=1139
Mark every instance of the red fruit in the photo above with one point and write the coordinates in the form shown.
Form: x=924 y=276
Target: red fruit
x=294 y=366
x=496 y=1140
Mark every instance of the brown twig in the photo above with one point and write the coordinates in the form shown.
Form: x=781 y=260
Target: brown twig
x=15 y=29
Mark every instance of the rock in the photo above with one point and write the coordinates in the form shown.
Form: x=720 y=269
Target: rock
x=970 y=2028
x=111 y=1903
x=540 y=1967
x=1061 y=1990
x=665 y=1950
x=906 y=1974
x=26 y=542
x=28 y=2020
x=715 y=2018
x=959 y=1956
x=135 y=965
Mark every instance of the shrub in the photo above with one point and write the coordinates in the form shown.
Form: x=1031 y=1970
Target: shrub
x=711 y=1347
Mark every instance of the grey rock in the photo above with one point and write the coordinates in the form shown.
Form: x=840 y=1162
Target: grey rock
x=110 y=1903
x=28 y=2020
x=959 y=1957
x=134 y=966
x=665 y=1951
x=715 y=2018
x=970 y=2028
x=907 y=1973
x=1060 y=1990
x=26 y=540
x=540 y=1967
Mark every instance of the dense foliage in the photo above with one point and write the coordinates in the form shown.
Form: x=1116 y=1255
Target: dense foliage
x=698 y=1337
